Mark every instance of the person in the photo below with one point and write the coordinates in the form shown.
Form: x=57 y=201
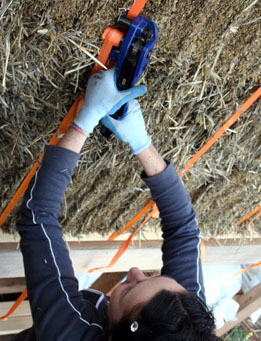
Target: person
x=166 y=307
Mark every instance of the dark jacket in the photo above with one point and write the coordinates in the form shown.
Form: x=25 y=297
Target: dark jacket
x=59 y=310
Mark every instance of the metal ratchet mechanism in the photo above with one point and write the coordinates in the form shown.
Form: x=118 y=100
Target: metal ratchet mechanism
x=132 y=55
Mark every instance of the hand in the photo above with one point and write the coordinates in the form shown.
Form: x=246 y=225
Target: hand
x=130 y=128
x=102 y=98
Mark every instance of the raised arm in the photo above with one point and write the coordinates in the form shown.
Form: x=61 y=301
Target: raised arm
x=58 y=310
x=181 y=236
x=57 y=307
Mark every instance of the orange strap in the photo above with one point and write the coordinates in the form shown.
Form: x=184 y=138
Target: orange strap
x=65 y=124
x=253 y=266
x=250 y=225
x=19 y=193
x=256 y=216
x=222 y=130
x=133 y=220
x=202 y=250
x=54 y=140
x=209 y=144
x=136 y=8
x=20 y=299
x=124 y=246
x=249 y=214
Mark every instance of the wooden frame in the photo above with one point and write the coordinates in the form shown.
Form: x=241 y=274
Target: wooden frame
x=12 y=285
x=147 y=254
x=20 y=320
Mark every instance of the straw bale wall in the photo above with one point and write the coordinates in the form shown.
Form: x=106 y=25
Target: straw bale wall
x=206 y=63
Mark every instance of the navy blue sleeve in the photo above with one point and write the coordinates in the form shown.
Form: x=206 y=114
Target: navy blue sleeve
x=181 y=236
x=58 y=309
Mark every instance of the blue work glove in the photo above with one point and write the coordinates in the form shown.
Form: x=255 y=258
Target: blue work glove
x=130 y=128
x=102 y=98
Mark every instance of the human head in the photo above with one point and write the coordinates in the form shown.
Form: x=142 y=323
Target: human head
x=162 y=308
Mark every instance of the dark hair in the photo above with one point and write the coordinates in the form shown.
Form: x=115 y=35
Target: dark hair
x=168 y=316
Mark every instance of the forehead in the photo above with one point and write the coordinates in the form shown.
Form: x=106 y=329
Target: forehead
x=143 y=291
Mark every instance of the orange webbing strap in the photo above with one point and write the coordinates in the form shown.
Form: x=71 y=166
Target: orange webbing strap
x=54 y=140
x=19 y=193
x=202 y=250
x=136 y=8
x=202 y=151
x=253 y=266
x=248 y=215
x=20 y=299
x=255 y=217
x=205 y=148
x=222 y=130
x=133 y=220
x=250 y=225
x=124 y=246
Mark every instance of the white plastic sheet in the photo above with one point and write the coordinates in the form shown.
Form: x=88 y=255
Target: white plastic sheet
x=220 y=289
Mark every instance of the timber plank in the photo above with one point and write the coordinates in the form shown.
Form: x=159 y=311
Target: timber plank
x=22 y=310
x=15 y=325
x=145 y=254
x=12 y=285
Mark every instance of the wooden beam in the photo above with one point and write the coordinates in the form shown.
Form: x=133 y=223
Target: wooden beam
x=15 y=325
x=20 y=319
x=156 y=243
x=147 y=234
x=22 y=310
x=249 y=303
x=12 y=285
x=145 y=254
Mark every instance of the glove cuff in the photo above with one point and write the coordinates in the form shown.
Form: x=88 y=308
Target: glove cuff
x=139 y=148
x=87 y=122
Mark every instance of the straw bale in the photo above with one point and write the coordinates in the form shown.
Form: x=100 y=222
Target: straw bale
x=205 y=64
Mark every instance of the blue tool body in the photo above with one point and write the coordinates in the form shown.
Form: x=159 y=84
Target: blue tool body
x=133 y=54
x=138 y=26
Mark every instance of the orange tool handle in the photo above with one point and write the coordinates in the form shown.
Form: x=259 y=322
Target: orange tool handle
x=112 y=37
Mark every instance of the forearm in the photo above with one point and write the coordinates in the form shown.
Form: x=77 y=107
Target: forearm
x=73 y=140
x=151 y=161
x=50 y=181
x=181 y=253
